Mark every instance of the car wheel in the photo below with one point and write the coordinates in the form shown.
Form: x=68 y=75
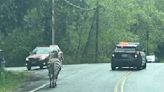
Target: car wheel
x=113 y=67
x=28 y=67
x=145 y=66
x=139 y=67
x=41 y=66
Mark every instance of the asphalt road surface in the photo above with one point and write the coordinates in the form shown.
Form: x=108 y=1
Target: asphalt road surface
x=100 y=78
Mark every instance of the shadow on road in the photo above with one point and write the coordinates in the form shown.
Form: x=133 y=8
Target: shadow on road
x=37 y=69
x=126 y=69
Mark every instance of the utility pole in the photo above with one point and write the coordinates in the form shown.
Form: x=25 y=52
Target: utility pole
x=97 y=32
x=147 y=39
x=53 y=22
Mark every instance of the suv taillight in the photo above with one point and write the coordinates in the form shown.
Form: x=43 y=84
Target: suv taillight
x=112 y=55
x=135 y=56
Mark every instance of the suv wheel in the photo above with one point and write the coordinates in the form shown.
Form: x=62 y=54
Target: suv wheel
x=144 y=66
x=113 y=67
x=139 y=67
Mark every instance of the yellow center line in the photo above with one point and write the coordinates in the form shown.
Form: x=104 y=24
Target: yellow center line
x=121 y=82
x=116 y=86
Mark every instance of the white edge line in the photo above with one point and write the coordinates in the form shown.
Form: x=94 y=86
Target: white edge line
x=38 y=88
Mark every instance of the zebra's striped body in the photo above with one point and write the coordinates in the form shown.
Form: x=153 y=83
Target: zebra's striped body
x=60 y=56
x=54 y=67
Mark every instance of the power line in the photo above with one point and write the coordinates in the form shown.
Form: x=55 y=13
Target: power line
x=78 y=7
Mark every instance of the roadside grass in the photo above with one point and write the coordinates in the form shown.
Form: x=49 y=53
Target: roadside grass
x=162 y=60
x=9 y=81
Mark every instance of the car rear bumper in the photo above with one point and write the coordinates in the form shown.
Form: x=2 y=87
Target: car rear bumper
x=125 y=62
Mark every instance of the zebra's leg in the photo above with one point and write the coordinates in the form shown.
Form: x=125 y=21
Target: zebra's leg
x=50 y=80
x=59 y=69
x=56 y=75
x=49 y=74
x=53 y=80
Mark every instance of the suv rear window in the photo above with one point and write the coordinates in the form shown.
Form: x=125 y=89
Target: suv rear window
x=124 y=49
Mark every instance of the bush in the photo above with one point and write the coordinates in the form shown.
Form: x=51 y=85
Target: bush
x=10 y=80
x=18 y=45
x=104 y=59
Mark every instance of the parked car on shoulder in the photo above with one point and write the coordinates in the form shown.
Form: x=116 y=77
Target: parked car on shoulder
x=39 y=56
x=152 y=59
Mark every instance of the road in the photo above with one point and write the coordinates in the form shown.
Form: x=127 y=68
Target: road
x=100 y=78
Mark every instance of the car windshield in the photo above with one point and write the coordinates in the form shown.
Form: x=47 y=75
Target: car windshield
x=41 y=51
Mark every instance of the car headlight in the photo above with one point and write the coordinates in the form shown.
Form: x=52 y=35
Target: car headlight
x=42 y=59
x=27 y=59
x=135 y=56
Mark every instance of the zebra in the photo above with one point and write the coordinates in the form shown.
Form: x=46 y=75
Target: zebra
x=60 y=56
x=54 y=67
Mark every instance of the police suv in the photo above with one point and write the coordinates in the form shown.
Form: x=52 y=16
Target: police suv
x=128 y=54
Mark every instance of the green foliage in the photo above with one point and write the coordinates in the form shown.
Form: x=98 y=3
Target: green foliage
x=27 y=24
x=10 y=80
x=18 y=45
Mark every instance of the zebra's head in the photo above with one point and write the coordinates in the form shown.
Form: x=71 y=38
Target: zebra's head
x=54 y=54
